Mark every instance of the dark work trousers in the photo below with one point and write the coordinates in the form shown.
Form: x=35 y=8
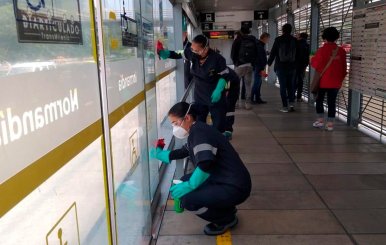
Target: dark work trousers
x=287 y=85
x=300 y=74
x=256 y=88
x=243 y=94
x=232 y=98
x=332 y=93
x=214 y=202
x=217 y=112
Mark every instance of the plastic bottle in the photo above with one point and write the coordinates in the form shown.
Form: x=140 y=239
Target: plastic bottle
x=177 y=202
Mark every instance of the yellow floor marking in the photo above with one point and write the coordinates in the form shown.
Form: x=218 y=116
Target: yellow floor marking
x=224 y=239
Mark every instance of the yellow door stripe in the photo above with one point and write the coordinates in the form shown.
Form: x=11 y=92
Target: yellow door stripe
x=13 y=190
x=224 y=239
x=20 y=185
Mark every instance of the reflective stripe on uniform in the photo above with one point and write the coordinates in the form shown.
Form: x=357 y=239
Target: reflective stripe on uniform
x=226 y=71
x=201 y=211
x=204 y=147
x=231 y=114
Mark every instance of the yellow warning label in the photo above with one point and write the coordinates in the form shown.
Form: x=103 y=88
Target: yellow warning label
x=114 y=43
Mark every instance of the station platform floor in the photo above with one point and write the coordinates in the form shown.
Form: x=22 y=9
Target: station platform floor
x=309 y=186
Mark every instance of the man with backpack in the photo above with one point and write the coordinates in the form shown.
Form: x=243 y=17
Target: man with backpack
x=283 y=52
x=243 y=54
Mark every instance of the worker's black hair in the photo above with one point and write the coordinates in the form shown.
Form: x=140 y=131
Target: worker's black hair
x=287 y=29
x=245 y=30
x=202 y=40
x=181 y=108
x=303 y=35
x=330 y=34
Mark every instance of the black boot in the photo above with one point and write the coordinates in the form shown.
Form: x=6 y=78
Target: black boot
x=213 y=229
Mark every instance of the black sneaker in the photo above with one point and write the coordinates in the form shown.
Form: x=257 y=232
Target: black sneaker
x=291 y=109
x=261 y=102
x=213 y=229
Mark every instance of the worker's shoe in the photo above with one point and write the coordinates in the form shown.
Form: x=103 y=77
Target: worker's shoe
x=248 y=106
x=213 y=229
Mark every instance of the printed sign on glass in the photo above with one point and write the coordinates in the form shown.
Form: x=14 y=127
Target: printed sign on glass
x=52 y=21
x=129 y=31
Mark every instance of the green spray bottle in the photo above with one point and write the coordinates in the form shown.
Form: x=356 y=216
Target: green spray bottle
x=177 y=202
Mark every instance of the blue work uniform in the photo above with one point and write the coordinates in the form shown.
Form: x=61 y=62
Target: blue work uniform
x=205 y=77
x=229 y=182
x=232 y=96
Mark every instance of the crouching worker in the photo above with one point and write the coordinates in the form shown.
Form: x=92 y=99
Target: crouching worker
x=220 y=180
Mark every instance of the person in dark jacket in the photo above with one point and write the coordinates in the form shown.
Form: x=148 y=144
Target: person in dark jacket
x=232 y=94
x=261 y=63
x=302 y=61
x=283 y=52
x=243 y=55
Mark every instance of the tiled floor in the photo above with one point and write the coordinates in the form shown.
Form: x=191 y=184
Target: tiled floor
x=309 y=186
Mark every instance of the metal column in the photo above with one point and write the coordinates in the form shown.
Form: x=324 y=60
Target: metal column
x=354 y=97
x=314 y=38
x=272 y=27
x=177 y=15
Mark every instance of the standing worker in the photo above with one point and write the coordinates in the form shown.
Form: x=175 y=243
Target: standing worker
x=220 y=180
x=232 y=95
x=209 y=73
x=302 y=62
x=243 y=55
x=260 y=73
x=284 y=54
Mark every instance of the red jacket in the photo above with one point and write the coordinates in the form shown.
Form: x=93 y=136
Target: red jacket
x=336 y=72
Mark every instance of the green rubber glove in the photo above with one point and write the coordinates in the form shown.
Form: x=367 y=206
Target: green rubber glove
x=216 y=95
x=164 y=54
x=198 y=177
x=160 y=154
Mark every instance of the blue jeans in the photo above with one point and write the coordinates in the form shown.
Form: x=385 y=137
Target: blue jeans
x=287 y=85
x=256 y=88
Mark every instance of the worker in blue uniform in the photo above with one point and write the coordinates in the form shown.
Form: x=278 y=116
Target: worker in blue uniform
x=219 y=182
x=232 y=95
x=209 y=73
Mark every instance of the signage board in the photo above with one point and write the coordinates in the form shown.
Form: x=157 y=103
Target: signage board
x=47 y=23
x=220 y=34
x=207 y=17
x=261 y=15
x=234 y=16
x=246 y=24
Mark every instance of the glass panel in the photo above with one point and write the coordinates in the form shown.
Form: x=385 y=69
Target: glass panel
x=50 y=120
x=152 y=132
x=127 y=116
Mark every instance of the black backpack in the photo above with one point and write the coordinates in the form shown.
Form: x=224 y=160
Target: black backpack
x=248 y=50
x=287 y=50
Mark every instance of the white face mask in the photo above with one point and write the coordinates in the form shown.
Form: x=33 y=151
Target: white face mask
x=178 y=131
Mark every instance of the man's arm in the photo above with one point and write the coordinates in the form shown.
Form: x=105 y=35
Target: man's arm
x=273 y=53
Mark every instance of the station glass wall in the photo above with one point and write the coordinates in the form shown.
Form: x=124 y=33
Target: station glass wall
x=54 y=171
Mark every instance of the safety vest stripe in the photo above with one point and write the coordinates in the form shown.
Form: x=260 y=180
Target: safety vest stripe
x=204 y=147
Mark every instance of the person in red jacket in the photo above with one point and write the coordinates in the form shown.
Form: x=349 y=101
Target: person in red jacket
x=332 y=79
